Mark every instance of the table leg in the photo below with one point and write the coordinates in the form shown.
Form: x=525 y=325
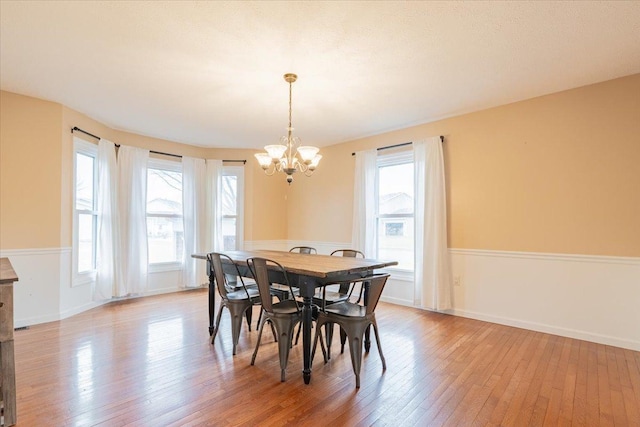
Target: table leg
x=306 y=337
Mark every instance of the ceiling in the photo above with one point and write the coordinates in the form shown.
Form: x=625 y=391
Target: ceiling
x=210 y=73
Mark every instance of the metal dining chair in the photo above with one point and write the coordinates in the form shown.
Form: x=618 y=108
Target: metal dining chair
x=327 y=296
x=353 y=319
x=345 y=289
x=282 y=315
x=304 y=250
x=239 y=300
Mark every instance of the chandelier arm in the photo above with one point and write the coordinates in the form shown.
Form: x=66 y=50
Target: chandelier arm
x=271 y=167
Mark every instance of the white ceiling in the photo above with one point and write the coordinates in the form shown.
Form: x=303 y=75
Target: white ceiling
x=210 y=73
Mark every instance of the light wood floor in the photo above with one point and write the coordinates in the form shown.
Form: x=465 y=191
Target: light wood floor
x=148 y=362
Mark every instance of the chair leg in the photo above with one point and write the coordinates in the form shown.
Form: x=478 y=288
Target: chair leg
x=375 y=330
x=217 y=326
x=355 y=348
x=255 y=352
x=285 y=333
x=237 y=312
x=315 y=343
x=249 y=315
x=298 y=333
x=259 y=318
x=328 y=331
x=343 y=340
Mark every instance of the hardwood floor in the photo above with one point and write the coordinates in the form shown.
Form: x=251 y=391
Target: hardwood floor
x=148 y=362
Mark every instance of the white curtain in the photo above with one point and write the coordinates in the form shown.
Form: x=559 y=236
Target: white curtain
x=364 y=203
x=432 y=271
x=214 y=205
x=132 y=199
x=108 y=249
x=194 y=203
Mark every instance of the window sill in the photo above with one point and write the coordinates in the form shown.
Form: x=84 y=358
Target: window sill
x=400 y=274
x=162 y=267
x=83 y=279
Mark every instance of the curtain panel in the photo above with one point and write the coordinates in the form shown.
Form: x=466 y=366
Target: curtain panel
x=214 y=205
x=364 y=203
x=108 y=242
x=432 y=267
x=195 y=218
x=132 y=200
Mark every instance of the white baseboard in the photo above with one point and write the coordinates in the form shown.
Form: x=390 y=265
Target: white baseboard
x=550 y=329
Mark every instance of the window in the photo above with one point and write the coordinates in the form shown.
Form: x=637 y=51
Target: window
x=232 y=203
x=395 y=220
x=85 y=218
x=164 y=212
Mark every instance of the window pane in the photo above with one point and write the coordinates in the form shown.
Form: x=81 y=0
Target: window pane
x=164 y=192
x=395 y=241
x=395 y=189
x=86 y=245
x=396 y=197
x=229 y=233
x=165 y=237
x=229 y=195
x=84 y=182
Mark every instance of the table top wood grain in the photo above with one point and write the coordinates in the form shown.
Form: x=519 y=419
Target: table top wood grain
x=7 y=274
x=321 y=266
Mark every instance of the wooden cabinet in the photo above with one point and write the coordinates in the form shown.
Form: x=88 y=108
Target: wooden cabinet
x=7 y=365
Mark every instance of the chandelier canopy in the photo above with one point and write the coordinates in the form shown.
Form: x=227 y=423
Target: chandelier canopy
x=289 y=156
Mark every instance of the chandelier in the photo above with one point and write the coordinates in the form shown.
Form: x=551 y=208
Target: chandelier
x=283 y=157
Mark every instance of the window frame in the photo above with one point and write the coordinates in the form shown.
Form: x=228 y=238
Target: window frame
x=85 y=148
x=172 y=166
x=238 y=172
x=385 y=160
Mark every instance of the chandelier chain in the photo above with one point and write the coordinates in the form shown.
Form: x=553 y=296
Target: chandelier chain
x=290 y=91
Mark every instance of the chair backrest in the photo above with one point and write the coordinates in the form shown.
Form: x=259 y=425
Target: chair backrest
x=348 y=253
x=376 y=286
x=303 y=250
x=215 y=264
x=260 y=272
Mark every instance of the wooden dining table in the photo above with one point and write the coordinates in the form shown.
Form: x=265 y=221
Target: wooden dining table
x=304 y=271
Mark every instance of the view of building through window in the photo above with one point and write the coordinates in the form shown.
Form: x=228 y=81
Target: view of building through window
x=229 y=211
x=165 y=232
x=395 y=211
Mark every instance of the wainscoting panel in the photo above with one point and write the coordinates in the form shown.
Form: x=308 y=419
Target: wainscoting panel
x=37 y=292
x=594 y=298
x=44 y=292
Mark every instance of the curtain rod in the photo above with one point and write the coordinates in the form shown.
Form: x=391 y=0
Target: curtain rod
x=398 y=145
x=77 y=129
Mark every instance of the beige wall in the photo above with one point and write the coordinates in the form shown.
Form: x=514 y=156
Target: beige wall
x=555 y=174
x=36 y=155
x=30 y=172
